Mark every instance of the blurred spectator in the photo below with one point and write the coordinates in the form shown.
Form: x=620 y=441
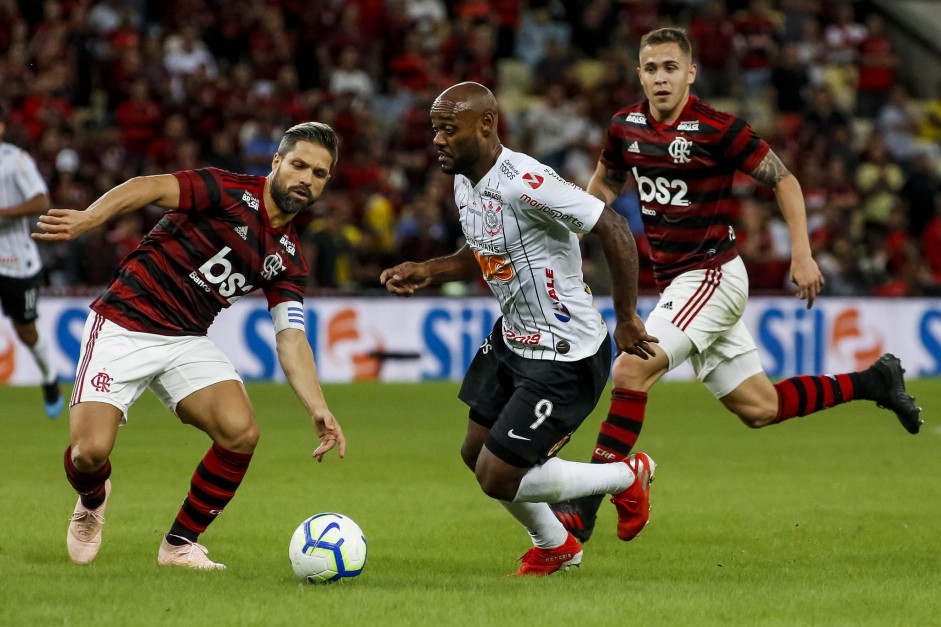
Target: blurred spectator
x=185 y=54
x=921 y=189
x=764 y=243
x=592 y=26
x=140 y=118
x=758 y=34
x=843 y=35
x=712 y=35
x=349 y=77
x=544 y=127
x=898 y=124
x=790 y=81
x=877 y=63
x=930 y=128
x=879 y=180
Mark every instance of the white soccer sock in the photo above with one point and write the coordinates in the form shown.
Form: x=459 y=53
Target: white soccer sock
x=560 y=480
x=543 y=527
x=40 y=351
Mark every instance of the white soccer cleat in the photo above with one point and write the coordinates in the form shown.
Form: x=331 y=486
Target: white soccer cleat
x=190 y=555
x=84 y=536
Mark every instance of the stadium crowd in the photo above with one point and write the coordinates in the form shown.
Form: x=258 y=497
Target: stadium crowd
x=102 y=90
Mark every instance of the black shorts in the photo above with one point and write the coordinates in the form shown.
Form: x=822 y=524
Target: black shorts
x=18 y=297
x=531 y=406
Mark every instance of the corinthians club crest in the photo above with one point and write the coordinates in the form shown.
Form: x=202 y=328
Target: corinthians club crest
x=493 y=219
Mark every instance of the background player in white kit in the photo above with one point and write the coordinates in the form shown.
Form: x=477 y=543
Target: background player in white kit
x=543 y=367
x=23 y=194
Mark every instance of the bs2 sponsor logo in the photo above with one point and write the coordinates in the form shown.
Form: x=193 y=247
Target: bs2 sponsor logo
x=218 y=271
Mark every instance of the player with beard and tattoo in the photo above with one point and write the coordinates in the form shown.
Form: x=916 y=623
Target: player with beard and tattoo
x=683 y=155
x=224 y=235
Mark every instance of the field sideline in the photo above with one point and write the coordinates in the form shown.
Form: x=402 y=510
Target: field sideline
x=833 y=519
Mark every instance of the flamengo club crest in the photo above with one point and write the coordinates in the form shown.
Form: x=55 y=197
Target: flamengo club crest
x=679 y=150
x=493 y=220
x=273 y=264
x=102 y=382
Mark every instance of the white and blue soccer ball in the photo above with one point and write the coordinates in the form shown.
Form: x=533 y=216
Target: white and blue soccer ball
x=327 y=547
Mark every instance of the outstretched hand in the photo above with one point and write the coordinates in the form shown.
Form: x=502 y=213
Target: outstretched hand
x=62 y=225
x=632 y=338
x=405 y=278
x=807 y=277
x=331 y=435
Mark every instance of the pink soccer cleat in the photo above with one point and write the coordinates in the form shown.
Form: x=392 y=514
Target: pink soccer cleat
x=84 y=536
x=190 y=555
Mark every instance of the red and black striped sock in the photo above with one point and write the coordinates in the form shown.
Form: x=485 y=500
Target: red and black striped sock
x=802 y=395
x=89 y=485
x=619 y=431
x=213 y=485
x=616 y=437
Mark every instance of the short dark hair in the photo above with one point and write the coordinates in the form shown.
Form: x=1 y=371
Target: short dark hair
x=668 y=36
x=314 y=132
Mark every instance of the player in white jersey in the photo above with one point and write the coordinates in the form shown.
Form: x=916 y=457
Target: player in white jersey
x=543 y=367
x=23 y=194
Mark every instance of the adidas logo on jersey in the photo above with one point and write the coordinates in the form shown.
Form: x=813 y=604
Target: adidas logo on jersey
x=633 y=148
x=242 y=231
x=667 y=305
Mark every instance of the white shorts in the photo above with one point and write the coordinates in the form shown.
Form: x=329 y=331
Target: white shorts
x=115 y=365
x=699 y=318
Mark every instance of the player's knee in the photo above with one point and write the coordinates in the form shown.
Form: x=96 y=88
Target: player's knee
x=243 y=440
x=629 y=373
x=89 y=456
x=496 y=486
x=27 y=333
x=469 y=455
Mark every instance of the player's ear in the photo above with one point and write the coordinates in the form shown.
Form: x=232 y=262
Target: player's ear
x=275 y=161
x=488 y=123
x=693 y=70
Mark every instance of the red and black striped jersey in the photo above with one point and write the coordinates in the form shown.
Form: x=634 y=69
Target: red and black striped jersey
x=217 y=246
x=684 y=175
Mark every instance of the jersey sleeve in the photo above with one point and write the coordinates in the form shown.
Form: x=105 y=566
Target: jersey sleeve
x=612 y=156
x=27 y=179
x=741 y=146
x=286 y=289
x=199 y=189
x=549 y=198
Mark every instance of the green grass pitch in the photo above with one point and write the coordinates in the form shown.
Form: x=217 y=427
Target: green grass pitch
x=833 y=519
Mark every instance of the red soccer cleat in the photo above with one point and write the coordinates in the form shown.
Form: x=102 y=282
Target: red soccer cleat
x=538 y=561
x=633 y=504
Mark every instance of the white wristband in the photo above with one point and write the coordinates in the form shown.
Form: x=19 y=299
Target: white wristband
x=288 y=315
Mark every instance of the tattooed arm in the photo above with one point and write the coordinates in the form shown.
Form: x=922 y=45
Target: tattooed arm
x=606 y=184
x=804 y=272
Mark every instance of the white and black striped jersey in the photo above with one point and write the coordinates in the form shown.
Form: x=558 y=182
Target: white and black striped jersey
x=521 y=221
x=19 y=181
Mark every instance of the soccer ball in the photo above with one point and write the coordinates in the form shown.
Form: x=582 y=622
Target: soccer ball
x=326 y=548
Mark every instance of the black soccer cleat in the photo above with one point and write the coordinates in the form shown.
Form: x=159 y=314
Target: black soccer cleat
x=890 y=393
x=577 y=519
